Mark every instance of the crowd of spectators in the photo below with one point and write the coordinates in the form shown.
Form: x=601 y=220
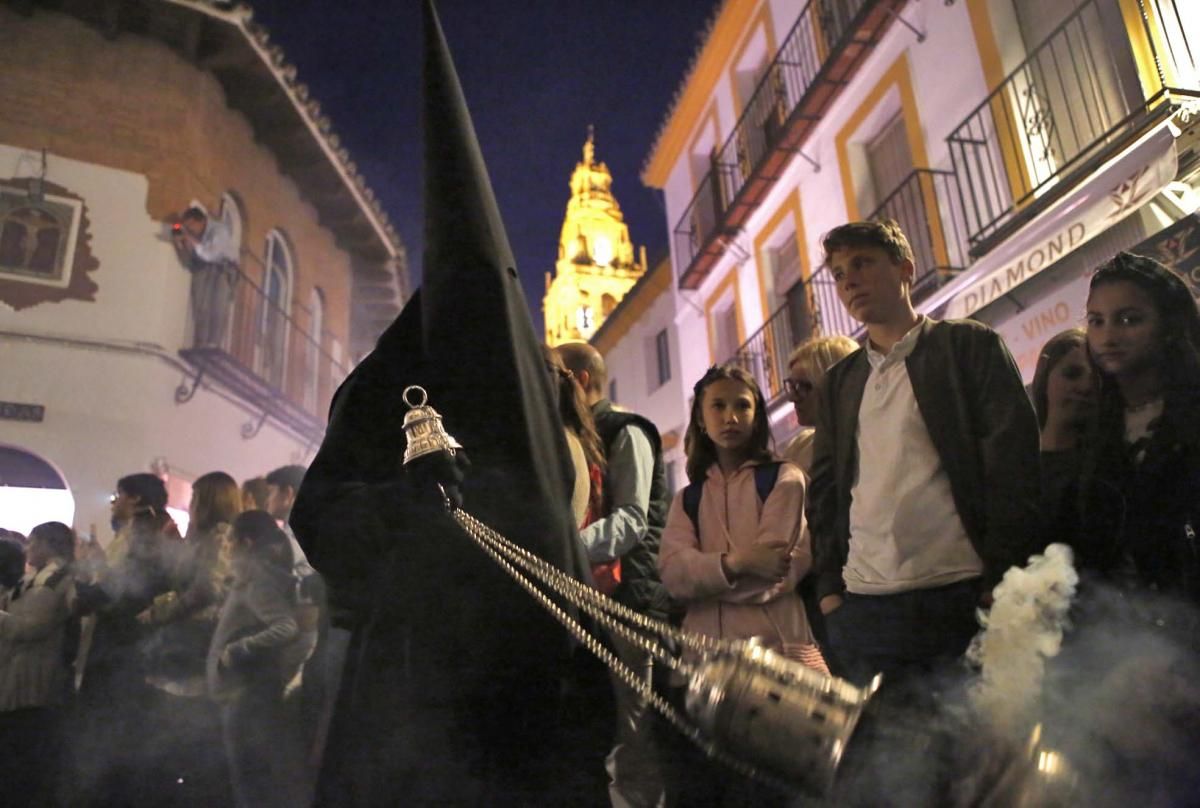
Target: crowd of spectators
x=163 y=669
x=195 y=669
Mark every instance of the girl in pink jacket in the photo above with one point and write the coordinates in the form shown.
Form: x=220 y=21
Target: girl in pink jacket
x=736 y=568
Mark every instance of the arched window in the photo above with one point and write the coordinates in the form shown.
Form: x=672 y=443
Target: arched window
x=276 y=309
x=316 y=367
x=31 y=491
x=231 y=215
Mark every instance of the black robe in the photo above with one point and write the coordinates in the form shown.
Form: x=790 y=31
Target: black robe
x=454 y=675
x=453 y=685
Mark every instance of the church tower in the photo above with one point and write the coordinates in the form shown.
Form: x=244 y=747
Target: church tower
x=596 y=263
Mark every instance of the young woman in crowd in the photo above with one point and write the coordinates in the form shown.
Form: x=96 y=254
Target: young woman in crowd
x=806 y=367
x=737 y=565
x=1064 y=396
x=12 y=565
x=1063 y=391
x=37 y=644
x=254 y=494
x=587 y=458
x=182 y=622
x=1140 y=490
x=186 y=616
x=735 y=547
x=252 y=657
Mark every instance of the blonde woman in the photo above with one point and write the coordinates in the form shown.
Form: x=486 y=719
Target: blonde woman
x=806 y=367
x=183 y=621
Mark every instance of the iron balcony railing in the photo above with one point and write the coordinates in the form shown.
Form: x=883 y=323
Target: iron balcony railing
x=242 y=338
x=929 y=209
x=1075 y=98
x=764 y=355
x=703 y=215
x=819 y=313
x=830 y=315
x=824 y=47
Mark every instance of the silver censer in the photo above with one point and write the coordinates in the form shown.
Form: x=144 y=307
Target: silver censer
x=776 y=713
x=759 y=708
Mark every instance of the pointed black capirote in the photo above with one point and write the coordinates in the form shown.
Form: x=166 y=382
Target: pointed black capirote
x=449 y=690
x=465 y=241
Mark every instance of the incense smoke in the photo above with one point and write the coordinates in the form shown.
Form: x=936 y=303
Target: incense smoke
x=1089 y=694
x=1023 y=629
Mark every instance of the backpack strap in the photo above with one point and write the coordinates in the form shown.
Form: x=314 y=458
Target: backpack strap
x=691 y=503
x=764 y=479
x=764 y=483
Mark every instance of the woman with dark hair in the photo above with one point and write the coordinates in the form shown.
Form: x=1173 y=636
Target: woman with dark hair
x=1063 y=390
x=35 y=657
x=182 y=621
x=12 y=565
x=1064 y=395
x=254 y=494
x=734 y=550
x=111 y=746
x=249 y=665
x=1140 y=489
x=737 y=565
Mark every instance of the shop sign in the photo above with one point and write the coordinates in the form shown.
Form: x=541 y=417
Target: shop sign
x=1129 y=183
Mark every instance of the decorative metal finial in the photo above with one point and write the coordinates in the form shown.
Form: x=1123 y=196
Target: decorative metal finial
x=423 y=430
x=589 y=147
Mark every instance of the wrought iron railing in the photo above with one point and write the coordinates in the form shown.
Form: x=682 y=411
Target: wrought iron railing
x=702 y=216
x=1075 y=95
x=831 y=316
x=246 y=340
x=928 y=207
x=764 y=355
x=819 y=37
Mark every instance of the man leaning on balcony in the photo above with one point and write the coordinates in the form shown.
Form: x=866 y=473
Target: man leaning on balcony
x=925 y=469
x=206 y=247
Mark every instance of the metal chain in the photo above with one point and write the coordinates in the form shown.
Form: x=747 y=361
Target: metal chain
x=505 y=553
x=579 y=593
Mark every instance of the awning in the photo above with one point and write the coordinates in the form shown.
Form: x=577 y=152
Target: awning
x=1115 y=191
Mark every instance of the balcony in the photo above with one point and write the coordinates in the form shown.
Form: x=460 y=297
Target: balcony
x=764 y=355
x=928 y=207
x=245 y=341
x=819 y=56
x=1075 y=102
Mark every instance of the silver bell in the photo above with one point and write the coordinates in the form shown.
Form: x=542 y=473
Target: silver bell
x=423 y=430
x=776 y=713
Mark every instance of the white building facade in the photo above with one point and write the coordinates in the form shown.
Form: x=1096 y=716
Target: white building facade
x=1018 y=143
x=640 y=344
x=123 y=123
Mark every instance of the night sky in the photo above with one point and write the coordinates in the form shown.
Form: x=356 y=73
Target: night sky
x=535 y=74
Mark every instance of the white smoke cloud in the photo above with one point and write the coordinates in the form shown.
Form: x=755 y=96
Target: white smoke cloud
x=1023 y=629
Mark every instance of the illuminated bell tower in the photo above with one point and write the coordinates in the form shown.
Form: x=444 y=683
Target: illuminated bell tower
x=596 y=264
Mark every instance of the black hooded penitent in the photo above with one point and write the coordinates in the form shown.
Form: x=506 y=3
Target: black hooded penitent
x=451 y=680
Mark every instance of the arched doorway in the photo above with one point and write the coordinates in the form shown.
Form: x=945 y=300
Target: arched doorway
x=32 y=491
